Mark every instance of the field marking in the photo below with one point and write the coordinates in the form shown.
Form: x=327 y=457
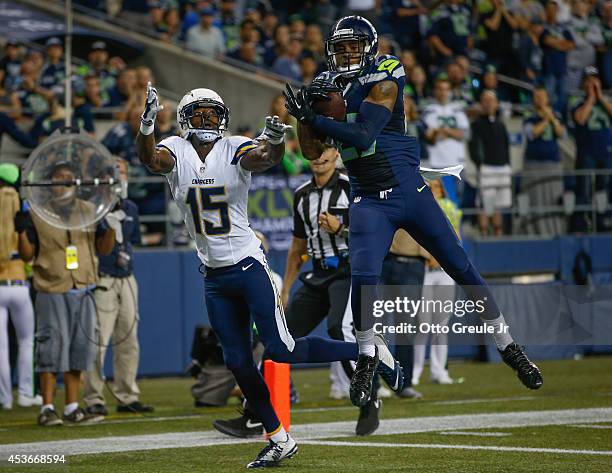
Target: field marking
x=475 y=401
x=593 y=426
x=475 y=434
x=306 y=410
x=334 y=443
x=313 y=431
x=435 y=403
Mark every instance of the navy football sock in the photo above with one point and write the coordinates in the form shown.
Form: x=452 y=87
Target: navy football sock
x=257 y=395
x=316 y=350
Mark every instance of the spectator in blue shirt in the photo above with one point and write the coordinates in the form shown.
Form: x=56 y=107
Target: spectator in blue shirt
x=46 y=123
x=543 y=129
x=288 y=64
x=556 y=41
x=406 y=22
x=120 y=139
x=124 y=88
x=451 y=32
x=593 y=119
x=53 y=73
x=530 y=52
x=280 y=43
x=10 y=65
x=34 y=99
x=99 y=66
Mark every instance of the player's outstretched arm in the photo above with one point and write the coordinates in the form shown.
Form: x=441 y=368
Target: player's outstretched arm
x=157 y=160
x=374 y=114
x=271 y=149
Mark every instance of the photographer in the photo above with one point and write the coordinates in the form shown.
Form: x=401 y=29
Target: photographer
x=65 y=272
x=116 y=298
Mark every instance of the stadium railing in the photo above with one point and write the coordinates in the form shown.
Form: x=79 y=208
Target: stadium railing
x=523 y=215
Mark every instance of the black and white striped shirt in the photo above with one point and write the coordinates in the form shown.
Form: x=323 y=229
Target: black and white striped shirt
x=309 y=201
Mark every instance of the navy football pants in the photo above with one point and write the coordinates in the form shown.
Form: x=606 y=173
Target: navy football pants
x=374 y=221
x=236 y=293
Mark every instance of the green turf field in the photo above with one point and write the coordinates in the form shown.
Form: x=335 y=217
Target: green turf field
x=488 y=423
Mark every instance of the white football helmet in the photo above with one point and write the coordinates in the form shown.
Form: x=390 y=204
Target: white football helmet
x=186 y=111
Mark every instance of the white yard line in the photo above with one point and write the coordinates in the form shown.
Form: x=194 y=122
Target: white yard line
x=306 y=432
x=593 y=426
x=333 y=443
x=435 y=403
x=476 y=434
x=298 y=410
x=475 y=401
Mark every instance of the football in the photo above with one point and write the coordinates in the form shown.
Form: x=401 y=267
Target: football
x=311 y=142
x=334 y=108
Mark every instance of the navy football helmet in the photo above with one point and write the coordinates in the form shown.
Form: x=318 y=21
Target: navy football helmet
x=351 y=28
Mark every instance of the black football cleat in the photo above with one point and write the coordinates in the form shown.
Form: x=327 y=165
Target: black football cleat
x=242 y=427
x=529 y=374
x=361 y=382
x=369 y=417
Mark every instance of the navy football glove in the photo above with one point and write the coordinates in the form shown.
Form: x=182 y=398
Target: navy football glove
x=298 y=105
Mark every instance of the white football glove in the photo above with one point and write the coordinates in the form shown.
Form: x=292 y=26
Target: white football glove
x=114 y=219
x=274 y=131
x=152 y=107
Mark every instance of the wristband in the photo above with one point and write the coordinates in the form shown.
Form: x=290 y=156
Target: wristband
x=145 y=128
x=273 y=141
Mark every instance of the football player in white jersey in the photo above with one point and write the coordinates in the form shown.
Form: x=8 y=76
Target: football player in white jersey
x=209 y=176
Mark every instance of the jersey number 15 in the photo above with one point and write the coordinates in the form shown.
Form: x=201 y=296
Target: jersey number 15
x=200 y=200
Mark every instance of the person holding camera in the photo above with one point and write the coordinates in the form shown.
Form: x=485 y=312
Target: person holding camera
x=116 y=297
x=65 y=270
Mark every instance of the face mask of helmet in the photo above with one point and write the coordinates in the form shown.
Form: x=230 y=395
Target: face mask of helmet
x=347 y=61
x=200 y=123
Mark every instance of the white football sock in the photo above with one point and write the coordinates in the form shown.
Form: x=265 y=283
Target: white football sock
x=46 y=406
x=280 y=435
x=70 y=408
x=503 y=339
x=365 y=341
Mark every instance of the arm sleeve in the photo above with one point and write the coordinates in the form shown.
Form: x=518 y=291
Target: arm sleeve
x=371 y=120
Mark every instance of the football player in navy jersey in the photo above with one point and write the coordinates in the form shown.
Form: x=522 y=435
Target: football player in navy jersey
x=387 y=190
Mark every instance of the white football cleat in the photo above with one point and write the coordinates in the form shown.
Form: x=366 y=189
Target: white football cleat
x=274 y=452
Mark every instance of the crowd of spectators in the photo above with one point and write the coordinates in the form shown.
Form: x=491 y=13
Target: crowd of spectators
x=32 y=106
x=453 y=110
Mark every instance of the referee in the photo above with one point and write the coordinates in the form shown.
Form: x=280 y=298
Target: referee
x=320 y=209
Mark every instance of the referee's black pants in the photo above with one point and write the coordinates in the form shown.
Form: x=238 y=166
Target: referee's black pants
x=323 y=295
